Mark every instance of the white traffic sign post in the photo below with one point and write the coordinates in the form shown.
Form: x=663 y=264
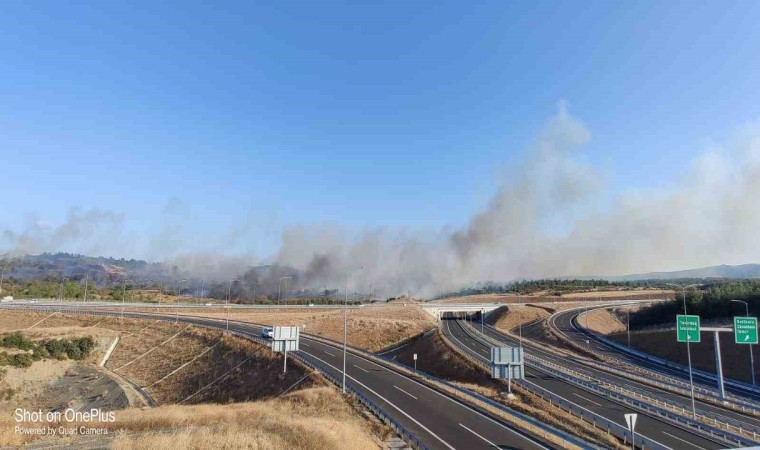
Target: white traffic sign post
x=285 y=339
x=507 y=362
x=630 y=420
x=415 y=362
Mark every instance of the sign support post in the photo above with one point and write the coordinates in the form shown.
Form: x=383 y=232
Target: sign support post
x=687 y=330
x=745 y=332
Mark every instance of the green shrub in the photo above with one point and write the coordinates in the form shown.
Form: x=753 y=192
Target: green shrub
x=17 y=340
x=21 y=360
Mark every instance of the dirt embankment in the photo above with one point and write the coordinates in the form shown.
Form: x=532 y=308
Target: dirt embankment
x=510 y=317
x=371 y=328
x=179 y=364
x=602 y=321
x=435 y=357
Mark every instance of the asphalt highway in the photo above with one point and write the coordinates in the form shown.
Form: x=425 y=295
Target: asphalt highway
x=578 y=364
x=435 y=419
x=564 y=323
x=650 y=427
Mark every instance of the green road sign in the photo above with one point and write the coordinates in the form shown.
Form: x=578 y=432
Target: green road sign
x=688 y=328
x=745 y=330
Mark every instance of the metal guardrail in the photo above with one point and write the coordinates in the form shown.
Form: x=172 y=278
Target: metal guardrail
x=667 y=363
x=639 y=395
x=597 y=421
x=593 y=386
x=407 y=435
x=542 y=428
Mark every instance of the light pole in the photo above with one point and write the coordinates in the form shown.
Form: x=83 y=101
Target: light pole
x=688 y=350
x=179 y=295
x=345 y=329
x=86 y=280
x=751 y=357
x=2 y=274
x=123 y=297
x=279 y=283
x=227 y=303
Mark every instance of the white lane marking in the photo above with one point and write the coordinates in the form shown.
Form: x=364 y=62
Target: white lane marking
x=481 y=437
x=529 y=382
x=386 y=401
x=410 y=395
x=360 y=368
x=683 y=440
x=587 y=399
x=304 y=343
x=331 y=354
x=469 y=409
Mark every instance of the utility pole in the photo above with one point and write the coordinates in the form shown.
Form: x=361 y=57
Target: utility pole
x=179 y=296
x=279 y=292
x=345 y=329
x=86 y=280
x=227 y=303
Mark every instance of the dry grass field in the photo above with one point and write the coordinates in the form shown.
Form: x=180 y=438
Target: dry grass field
x=510 y=317
x=315 y=418
x=602 y=321
x=174 y=362
x=542 y=297
x=370 y=328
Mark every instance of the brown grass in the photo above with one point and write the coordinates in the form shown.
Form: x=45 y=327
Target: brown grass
x=369 y=328
x=602 y=321
x=512 y=316
x=317 y=418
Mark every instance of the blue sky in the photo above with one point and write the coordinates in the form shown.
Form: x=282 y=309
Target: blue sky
x=226 y=118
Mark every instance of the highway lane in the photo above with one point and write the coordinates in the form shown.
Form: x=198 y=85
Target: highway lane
x=564 y=323
x=434 y=418
x=578 y=364
x=652 y=428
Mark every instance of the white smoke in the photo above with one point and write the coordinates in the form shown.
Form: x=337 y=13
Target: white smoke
x=544 y=221
x=710 y=217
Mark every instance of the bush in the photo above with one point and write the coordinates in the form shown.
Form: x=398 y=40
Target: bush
x=17 y=340
x=21 y=360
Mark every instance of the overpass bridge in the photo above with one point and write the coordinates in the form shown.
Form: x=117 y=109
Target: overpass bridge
x=439 y=310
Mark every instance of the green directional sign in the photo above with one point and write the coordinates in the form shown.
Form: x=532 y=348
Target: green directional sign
x=745 y=330
x=688 y=328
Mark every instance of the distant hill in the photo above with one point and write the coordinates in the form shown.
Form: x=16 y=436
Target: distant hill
x=722 y=271
x=54 y=266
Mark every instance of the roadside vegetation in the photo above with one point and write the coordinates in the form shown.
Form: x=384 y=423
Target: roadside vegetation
x=76 y=349
x=710 y=301
x=552 y=287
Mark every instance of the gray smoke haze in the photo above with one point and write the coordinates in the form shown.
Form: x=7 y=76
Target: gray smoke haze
x=91 y=232
x=550 y=217
x=709 y=217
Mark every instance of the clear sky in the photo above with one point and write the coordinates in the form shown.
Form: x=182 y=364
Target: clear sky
x=229 y=121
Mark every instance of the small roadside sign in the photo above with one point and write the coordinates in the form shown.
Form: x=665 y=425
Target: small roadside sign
x=687 y=328
x=415 y=357
x=630 y=420
x=745 y=330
